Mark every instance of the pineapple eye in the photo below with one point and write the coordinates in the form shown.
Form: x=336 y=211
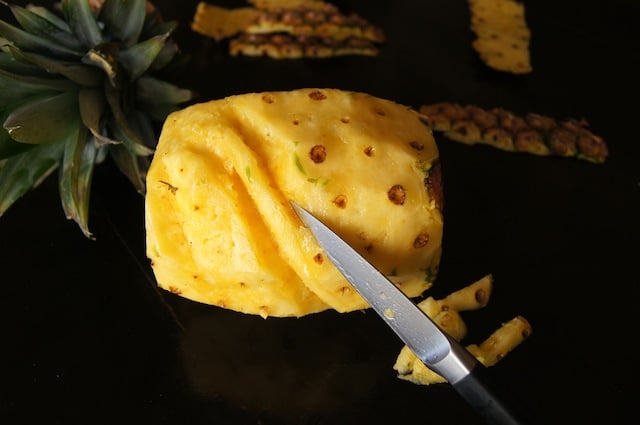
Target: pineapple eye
x=416 y=145
x=317 y=95
x=480 y=296
x=340 y=201
x=380 y=112
x=318 y=154
x=397 y=194
x=421 y=240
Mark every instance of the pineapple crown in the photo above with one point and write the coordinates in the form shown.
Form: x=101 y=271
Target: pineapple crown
x=78 y=84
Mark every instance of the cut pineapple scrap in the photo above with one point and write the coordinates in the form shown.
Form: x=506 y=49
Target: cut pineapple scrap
x=221 y=230
x=503 y=129
x=288 y=29
x=445 y=313
x=502 y=35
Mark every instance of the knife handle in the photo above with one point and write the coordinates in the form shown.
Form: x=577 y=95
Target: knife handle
x=492 y=402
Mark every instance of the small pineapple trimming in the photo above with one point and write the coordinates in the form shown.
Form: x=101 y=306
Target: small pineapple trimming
x=75 y=87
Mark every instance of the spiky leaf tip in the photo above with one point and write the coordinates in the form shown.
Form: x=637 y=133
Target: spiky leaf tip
x=77 y=87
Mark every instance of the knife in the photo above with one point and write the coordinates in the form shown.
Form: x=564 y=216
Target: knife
x=434 y=347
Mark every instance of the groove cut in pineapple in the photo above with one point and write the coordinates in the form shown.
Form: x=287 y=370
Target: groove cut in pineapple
x=220 y=227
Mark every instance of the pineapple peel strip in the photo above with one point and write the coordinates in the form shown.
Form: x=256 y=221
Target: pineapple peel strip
x=505 y=130
x=445 y=313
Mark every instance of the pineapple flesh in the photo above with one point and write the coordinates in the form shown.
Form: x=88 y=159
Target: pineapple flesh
x=220 y=227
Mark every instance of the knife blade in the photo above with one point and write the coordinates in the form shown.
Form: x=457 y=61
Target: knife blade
x=433 y=346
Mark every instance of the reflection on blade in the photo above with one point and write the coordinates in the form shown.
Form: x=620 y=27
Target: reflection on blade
x=430 y=344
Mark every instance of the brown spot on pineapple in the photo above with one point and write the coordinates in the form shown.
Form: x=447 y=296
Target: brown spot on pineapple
x=369 y=151
x=345 y=120
x=450 y=111
x=344 y=290
x=380 y=111
x=526 y=332
x=416 y=145
x=468 y=131
x=175 y=290
x=592 y=146
x=482 y=118
x=296 y=122
x=317 y=95
x=445 y=318
x=397 y=194
x=509 y=121
x=340 y=201
x=267 y=98
x=421 y=240
x=242 y=284
x=480 y=297
x=171 y=188
x=196 y=207
x=368 y=247
x=540 y=122
x=318 y=154
x=433 y=182
x=562 y=142
x=588 y=144
x=195 y=277
x=498 y=137
x=530 y=141
x=318 y=258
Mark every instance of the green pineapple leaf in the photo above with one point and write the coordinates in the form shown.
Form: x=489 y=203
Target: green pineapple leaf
x=82 y=22
x=42 y=120
x=77 y=88
x=138 y=58
x=169 y=51
x=77 y=72
x=83 y=184
x=34 y=43
x=152 y=90
x=52 y=18
x=120 y=125
x=8 y=146
x=45 y=25
x=92 y=106
x=125 y=18
x=24 y=172
x=9 y=64
x=15 y=88
x=75 y=174
x=129 y=165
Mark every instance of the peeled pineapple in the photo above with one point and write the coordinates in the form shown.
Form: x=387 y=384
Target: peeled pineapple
x=220 y=227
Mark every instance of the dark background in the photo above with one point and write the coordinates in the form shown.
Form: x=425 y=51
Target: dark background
x=88 y=338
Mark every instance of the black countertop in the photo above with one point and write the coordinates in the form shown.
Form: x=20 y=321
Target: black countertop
x=88 y=338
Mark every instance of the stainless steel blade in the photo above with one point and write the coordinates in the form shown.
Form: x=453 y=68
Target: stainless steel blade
x=432 y=345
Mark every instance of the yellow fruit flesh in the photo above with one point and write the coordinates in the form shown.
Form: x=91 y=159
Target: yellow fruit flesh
x=219 y=224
